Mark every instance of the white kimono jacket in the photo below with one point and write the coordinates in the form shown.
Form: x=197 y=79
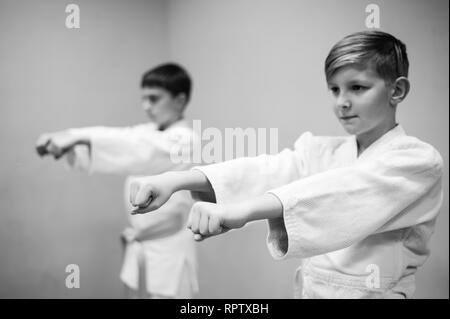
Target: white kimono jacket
x=361 y=225
x=143 y=150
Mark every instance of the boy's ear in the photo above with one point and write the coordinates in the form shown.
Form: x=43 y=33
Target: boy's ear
x=400 y=89
x=182 y=100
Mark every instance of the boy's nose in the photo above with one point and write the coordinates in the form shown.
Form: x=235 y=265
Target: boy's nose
x=146 y=105
x=343 y=102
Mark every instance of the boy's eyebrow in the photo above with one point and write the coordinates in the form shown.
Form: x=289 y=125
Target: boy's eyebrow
x=350 y=82
x=150 y=96
x=358 y=81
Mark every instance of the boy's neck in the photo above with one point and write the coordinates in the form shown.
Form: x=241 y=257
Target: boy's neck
x=164 y=126
x=366 y=139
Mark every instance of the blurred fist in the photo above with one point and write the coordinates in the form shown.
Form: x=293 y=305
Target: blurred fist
x=56 y=144
x=42 y=144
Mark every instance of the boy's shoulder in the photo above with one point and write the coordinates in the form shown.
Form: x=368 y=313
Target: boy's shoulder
x=309 y=140
x=182 y=132
x=147 y=126
x=399 y=143
x=406 y=140
x=181 y=127
x=422 y=149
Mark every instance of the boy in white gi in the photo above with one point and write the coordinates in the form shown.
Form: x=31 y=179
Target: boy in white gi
x=358 y=210
x=159 y=245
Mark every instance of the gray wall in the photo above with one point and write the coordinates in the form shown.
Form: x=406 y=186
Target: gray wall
x=255 y=63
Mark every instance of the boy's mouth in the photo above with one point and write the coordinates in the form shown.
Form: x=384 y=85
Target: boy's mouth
x=348 y=117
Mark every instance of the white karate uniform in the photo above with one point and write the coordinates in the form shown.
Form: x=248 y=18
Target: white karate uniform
x=170 y=261
x=361 y=225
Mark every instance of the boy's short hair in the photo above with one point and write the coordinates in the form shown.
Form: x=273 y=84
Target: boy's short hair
x=169 y=76
x=373 y=48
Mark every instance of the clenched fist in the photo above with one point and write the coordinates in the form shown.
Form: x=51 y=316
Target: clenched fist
x=208 y=219
x=151 y=192
x=56 y=144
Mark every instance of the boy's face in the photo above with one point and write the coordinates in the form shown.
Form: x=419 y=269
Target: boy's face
x=362 y=101
x=161 y=107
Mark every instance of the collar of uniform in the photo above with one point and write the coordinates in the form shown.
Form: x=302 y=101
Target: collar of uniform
x=153 y=126
x=386 y=138
x=180 y=123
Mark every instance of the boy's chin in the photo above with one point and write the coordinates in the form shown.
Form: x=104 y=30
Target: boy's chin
x=153 y=120
x=350 y=130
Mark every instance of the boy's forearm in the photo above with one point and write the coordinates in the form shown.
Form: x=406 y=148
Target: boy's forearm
x=267 y=206
x=192 y=180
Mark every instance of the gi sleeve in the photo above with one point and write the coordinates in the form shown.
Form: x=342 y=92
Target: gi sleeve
x=241 y=178
x=336 y=208
x=131 y=150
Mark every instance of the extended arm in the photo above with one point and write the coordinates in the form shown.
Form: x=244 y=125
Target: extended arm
x=208 y=219
x=336 y=208
x=150 y=193
x=134 y=150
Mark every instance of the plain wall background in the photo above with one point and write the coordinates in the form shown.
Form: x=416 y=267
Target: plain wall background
x=255 y=63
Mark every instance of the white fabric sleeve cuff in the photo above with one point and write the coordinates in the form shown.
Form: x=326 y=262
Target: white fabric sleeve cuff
x=218 y=182
x=283 y=238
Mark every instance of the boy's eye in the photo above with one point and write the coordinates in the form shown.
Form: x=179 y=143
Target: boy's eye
x=152 y=99
x=334 y=90
x=357 y=87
